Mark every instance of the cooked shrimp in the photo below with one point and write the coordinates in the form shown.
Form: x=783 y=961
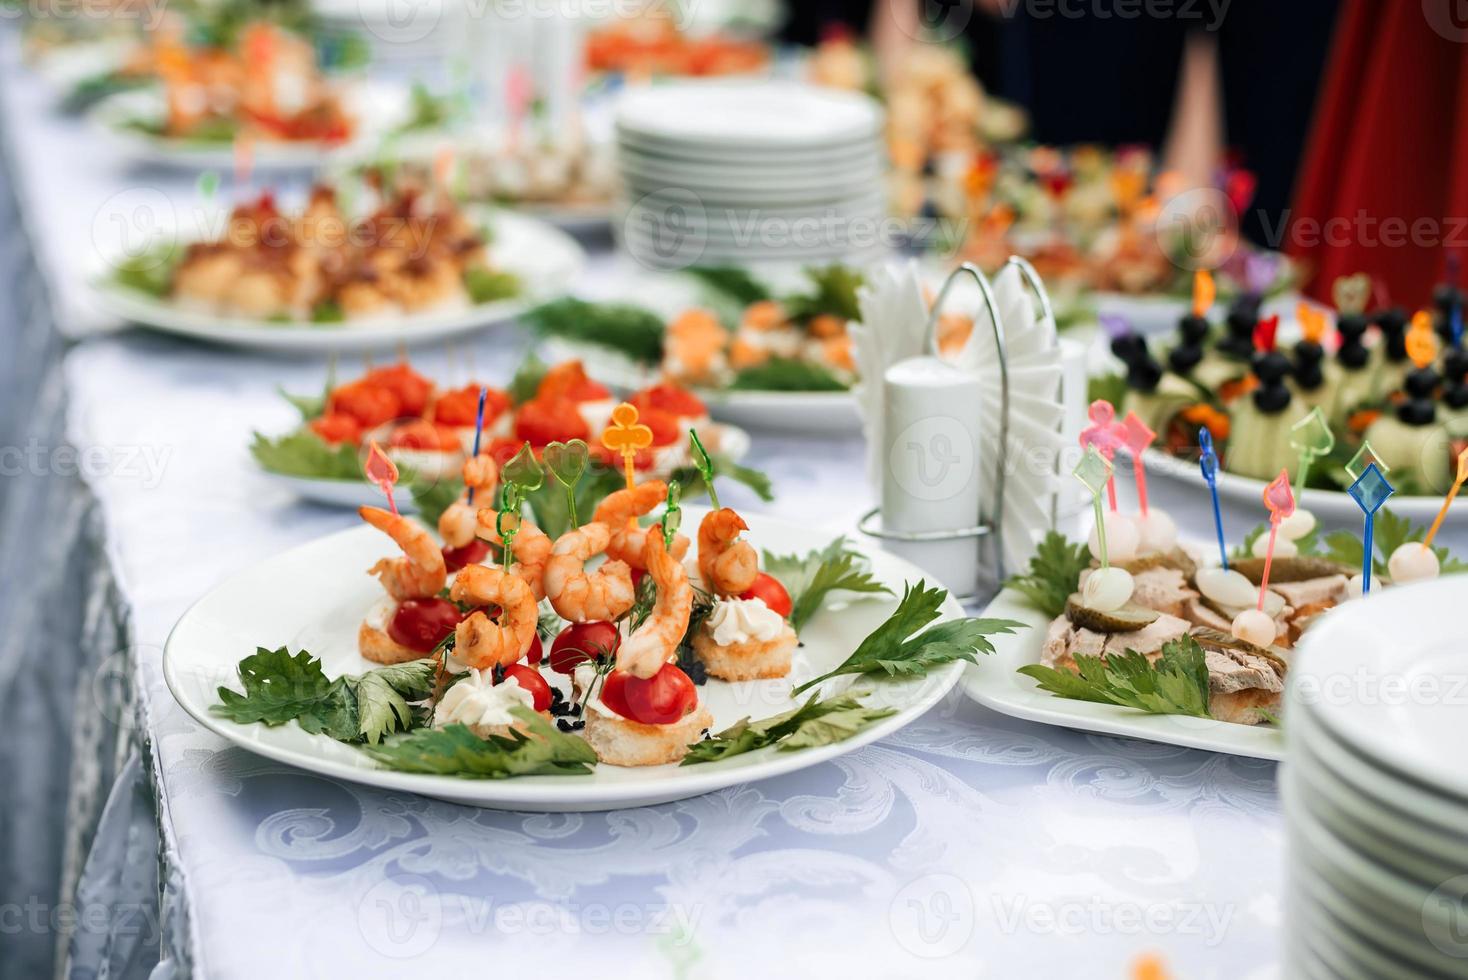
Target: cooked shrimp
x=482 y=642
x=532 y=549
x=656 y=641
x=420 y=573
x=459 y=522
x=764 y=315
x=693 y=346
x=727 y=563
x=620 y=509
x=582 y=596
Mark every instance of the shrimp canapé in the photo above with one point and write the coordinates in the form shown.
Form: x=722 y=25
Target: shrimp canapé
x=532 y=549
x=482 y=642
x=655 y=642
x=582 y=596
x=726 y=561
x=458 y=525
x=620 y=510
x=420 y=572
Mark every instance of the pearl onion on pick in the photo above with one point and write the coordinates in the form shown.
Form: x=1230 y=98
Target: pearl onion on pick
x=1226 y=587
x=1158 y=532
x=1122 y=538
x=1354 y=586
x=1254 y=626
x=1411 y=562
x=1107 y=589
x=1297 y=525
x=1283 y=546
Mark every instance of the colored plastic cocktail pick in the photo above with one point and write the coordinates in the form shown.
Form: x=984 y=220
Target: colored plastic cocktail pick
x=1455 y=325
x=673 y=515
x=1094 y=472
x=1351 y=293
x=381 y=471
x=626 y=436
x=244 y=159
x=1280 y=500
x=478 y=429
x=1115 y=325
x=1311 y=438
x=567 y=463
x=521 y=476
x=1448 y=500
x=208 y=184
x=1204 y=292
x=1312 y=322
x=1265 y=332
x=1137 y=437
x=705 y=466
x=1369 y=491
x=1365 y=456
x=1422 y=340
x=1208 y=463
x=1102 y=436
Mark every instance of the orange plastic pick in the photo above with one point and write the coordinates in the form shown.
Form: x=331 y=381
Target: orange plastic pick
x=626 y=436
x=382 y=471
x=1312 y=322
x=1280 y=500
x=1422 y=339
x=1448 y=500
x=1204 y=292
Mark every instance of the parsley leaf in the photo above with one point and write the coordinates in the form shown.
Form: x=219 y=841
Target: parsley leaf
x=487 y=285
x=834 y=293
x=1054 y=573
x=455 y=750
x=811 y=578
x=278 y=687
x=731 y=281
x=1177 y=684
x=786 y=374
x=1344 y=547
x=151 y=272
x=893 y=650
x=526 y=381
x=812 y=724
x=304 y=454
x=383 y=695
x=632 y=330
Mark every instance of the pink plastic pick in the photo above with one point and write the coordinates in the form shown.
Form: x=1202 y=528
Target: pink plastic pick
x=1137 y=436
x=1280 y=500
x=383 y=472
x=1103 y=435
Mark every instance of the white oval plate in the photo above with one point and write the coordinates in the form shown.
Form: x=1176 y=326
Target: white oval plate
x=314 y=596
x=747 y=115
x=546 y=260
x=996 y=683
x=1332 y=506
x=352 y=494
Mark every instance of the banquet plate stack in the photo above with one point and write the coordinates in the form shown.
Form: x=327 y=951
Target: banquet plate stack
x=1375 y=790
x=750 y=172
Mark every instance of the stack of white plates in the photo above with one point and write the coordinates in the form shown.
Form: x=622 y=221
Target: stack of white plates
x=750 y=171
x=1376 y=789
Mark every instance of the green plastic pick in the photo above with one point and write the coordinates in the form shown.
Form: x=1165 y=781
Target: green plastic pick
x=524 y=471
x=521 y=476
x=507 y=521
x=208 y=184
x=705 y=466
x=567 y=462
x=1311 y=438
x=673 y=518
x=1363 y=459
x=1094 y=472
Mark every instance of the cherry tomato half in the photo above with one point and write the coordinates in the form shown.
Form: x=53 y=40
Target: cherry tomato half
x=422 y=624
x=371 y=405
x=581 y=642
x=544 y=420
x=670 y=398
x=661 y=699
x=461 y=406
x=613 y=693
x=470 y=554
x=530 y=679
x=336 y=428
x=536 y=653
x=768 y=588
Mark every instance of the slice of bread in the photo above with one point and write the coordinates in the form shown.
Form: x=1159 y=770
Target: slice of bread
x=753 y=660
x=624 y=742
x=377 y=646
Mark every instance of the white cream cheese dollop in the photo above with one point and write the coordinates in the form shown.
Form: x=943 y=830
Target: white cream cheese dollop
x=478 y=700
x=381 y=613
x=734 y=621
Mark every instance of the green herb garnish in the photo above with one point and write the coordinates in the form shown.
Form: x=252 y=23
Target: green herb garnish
x=892 y=649
x=731 y=281
x=786 y=374
x=834 y=294
x=304 y=454
x=1177 y=684
x=812 y=724
x=487 y=286
x=632 y=330
x=1054 y=573
x=455 y=750
x=811 y=578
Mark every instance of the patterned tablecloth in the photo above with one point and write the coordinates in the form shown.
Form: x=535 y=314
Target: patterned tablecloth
x=967 y=845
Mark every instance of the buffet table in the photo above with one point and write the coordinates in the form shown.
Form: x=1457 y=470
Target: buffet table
x=970 y=844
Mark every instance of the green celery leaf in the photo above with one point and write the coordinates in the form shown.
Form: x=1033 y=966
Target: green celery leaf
x=786 y=374
x=632 y=330
x=811 y=724
x=811 y=578
x=455 y=750
x=1054 y=573
x=304 y=454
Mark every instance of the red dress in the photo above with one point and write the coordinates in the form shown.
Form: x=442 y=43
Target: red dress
x=1386 y=168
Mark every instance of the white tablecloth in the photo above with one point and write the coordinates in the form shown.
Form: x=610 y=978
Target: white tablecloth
x=968 y=845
